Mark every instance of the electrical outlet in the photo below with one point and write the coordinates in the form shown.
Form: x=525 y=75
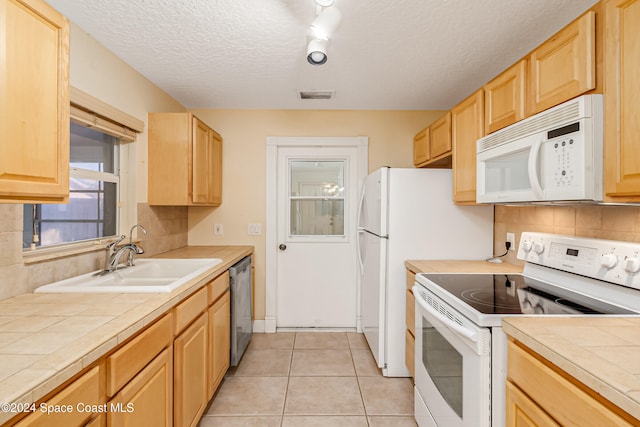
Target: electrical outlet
x=511 y=238
x=218 y=230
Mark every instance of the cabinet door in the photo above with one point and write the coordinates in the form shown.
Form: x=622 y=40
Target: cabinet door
x=523 y=412
x=504 y=98
x=190 y=380
x=216 y=165
x=147 y=400
x=564 y=66
x=219 y=340
x=201 y=163
x=421 y=148
x=622 y=106
x=467 y=120
x=34 y=106
x=440 y=137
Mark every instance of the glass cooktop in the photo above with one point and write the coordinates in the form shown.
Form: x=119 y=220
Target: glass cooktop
x=513 y=294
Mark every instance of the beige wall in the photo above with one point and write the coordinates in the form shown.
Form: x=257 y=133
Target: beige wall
x=101 y=74
x=601 y=222
x=244 y=164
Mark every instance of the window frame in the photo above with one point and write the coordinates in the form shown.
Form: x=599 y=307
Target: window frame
x=93 y=113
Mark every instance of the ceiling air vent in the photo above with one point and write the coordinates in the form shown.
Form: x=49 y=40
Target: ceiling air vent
x=316 y=94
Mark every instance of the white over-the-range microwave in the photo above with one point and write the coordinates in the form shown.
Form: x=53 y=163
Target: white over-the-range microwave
x=553 y=156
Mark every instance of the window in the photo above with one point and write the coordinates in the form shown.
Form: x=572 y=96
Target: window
x=98 y=153
x=94 y=183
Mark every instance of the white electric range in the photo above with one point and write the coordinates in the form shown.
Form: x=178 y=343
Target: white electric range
x=461 y=350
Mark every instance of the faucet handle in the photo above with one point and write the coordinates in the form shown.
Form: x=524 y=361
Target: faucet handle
x=115 y=243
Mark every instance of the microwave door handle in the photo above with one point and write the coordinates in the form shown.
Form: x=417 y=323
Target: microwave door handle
x=470 y=335
x=533 y=172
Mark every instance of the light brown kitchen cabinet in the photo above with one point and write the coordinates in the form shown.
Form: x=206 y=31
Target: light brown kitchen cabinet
x=410 y=333
x=219 y=331
x=189 y=370
x=622 y=106
x=87 y=390
x=564 y=66
x=432 y=146
x=467 y=126
x=147 y=400
x=34 y=113
x=504 y=98
x=440 y=138
x=185 y=161
x=421 y=148
x=541 y=394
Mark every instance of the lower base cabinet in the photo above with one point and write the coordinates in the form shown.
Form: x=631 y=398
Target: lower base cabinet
x=190 y=382
x=147 y=399
x=540 y=394
x=219 y=340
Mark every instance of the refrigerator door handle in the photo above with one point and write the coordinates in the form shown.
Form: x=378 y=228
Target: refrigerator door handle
x=360 y=230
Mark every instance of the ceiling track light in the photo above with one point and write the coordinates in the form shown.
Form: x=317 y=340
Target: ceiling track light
x=317 y=52
x=326 y=23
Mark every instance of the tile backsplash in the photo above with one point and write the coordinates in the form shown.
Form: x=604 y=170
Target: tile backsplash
x=602 y=222
x=166 y=230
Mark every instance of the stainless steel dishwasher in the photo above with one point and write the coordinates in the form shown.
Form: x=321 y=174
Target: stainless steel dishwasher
x=241 y=316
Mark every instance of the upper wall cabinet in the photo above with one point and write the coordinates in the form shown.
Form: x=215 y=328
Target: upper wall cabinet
x=467 y=120
x=504 y=99
x=432 y=146
x=185 y=161
x=34 y=106
x=564 y=66
x=622 y=105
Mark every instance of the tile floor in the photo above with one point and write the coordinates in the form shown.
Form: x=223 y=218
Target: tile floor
x=300 y=379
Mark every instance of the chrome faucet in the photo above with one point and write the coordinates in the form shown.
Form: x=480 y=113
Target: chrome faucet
x=113 y=253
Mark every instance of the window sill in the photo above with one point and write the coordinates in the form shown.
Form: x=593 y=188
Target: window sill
x=56 y=252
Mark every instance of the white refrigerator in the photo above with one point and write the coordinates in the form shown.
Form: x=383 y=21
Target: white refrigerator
x=409 y=214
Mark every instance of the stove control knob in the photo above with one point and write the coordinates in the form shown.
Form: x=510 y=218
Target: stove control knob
x=526 y=246
x=538 y=248
x=632 y=265
x=608 y=260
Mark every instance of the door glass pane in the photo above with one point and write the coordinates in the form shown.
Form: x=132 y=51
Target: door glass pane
x=444 y=365
x=316 y=198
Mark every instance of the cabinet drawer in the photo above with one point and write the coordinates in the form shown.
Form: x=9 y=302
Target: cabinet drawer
x=522 y=411
x=85 y=390
x=410 y=353
x=218 y=286
x=411 y=312
x=562 y=399
x=189 y=309
x=126 y=362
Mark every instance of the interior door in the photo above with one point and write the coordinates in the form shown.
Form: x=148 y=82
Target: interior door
x=316 y=257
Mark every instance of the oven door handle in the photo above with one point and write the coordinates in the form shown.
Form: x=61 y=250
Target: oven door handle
x=470 y=335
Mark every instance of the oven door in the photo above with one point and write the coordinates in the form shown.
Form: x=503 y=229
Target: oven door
x=453 y=366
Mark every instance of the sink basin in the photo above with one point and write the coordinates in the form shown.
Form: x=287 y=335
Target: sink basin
x=147 y=276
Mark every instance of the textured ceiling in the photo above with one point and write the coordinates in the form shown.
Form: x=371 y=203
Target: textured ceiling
x=398 y=54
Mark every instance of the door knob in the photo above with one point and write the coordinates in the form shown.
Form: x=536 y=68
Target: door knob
x=282 y=247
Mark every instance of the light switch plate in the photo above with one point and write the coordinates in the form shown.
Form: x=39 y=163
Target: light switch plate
x=254 y=229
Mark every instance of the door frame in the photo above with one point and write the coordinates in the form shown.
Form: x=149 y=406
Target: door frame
x=271 y=238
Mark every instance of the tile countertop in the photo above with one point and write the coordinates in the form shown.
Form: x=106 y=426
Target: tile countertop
x=45 y=339
x=601 y=352
x=458 y=266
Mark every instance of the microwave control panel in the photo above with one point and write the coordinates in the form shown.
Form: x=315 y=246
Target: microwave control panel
x=563 y=153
